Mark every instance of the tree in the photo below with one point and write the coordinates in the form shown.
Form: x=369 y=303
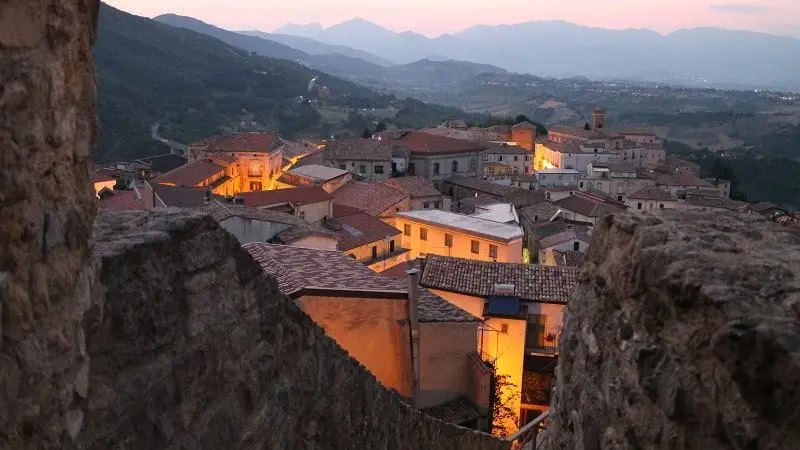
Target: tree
x=380 y=127
x=587 y=127
x=502 y=393
x=521 y=118
x=366 y=134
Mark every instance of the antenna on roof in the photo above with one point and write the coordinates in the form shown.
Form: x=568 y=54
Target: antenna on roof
x=555 y=215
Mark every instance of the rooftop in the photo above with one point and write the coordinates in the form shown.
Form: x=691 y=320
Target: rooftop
x=414 y=186
x=221 y=210
x=565 y=236
x=559 y=171
x=419 y=142
x=295 y=196
x=304 y=271
x=463 y=223
x=651 y=193
x=457 y=411
x=471 y=134
x=192 y=174
x=589 y=205
x=570 y=258
x=260 y=142
x=373 y=197
x=531 y=282
x=635 y=132
x=358 y=150
x=122 y=200
x=469 y=205
x=497 y=212
x=318 y=172
x=360 y=229
x=183 y=197
x=538 y=212
x=496 y=149
x=163 y=163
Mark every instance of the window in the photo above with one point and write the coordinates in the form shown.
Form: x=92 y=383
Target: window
x=516 y=158
x=504 y=328
x=448 y=240
x=302 y=215
x=343 y=166
x=639 y=205
x=581 y=184
x=391 y=246
x=426 y=205
x=436 y=168
x=492 y=251
x=472 y=163
x=500 y=158
x=576 y=246
x=527 y=158
x=527 y=169
x=619 y=198
x=485 y=157
x=423 y=234
x=255 y=185
x=436 y=205
x=362 y=169
x=454 y=167
x=379 y=170
x=476 y=247
x=374 y=251
x=407 y=230
x=661 y=206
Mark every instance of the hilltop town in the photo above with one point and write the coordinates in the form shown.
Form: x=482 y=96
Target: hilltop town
x=482 y=230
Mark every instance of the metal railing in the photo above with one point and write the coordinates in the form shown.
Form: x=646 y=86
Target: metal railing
x=525 y=438
x=542 y=339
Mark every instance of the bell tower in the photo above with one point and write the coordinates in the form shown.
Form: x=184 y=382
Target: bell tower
x=598 y=119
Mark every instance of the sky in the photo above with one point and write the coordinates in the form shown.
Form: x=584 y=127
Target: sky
x=434 y=17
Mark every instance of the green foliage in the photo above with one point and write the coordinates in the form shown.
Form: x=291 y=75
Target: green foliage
x=366 y=134
x=416 y=114
x=502 y=392
x=196 y=86
x=380 y=127
x=541 y=130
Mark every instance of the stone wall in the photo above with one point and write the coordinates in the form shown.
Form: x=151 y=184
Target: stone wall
x=683 y=334
x=192 y=347
x=47 y=129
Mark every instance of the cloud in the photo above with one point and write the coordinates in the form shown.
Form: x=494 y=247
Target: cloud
x=739 y=8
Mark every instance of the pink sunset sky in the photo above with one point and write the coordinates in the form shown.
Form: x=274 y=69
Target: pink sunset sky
x=434 y=17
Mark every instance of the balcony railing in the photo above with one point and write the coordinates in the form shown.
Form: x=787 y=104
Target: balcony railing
x=526 y=437
x=540 y=339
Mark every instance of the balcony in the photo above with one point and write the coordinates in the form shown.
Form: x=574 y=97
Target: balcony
x=540 y=339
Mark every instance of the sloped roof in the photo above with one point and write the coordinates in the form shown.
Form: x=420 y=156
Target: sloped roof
x=361 y=229
x=297 y=196
x=191 y=174
x=457 y=411
x=464 y=224
x=358 y=150
x=589 y=206
x=570 y=258
x=256 y=142
x=164 y=163
x=414 y=186
x=122 y=201
x=564 y=236
x=419 y=142
x=373 y=197
x=183 y=197
x=318 y=172
x=651 y=193
x=478 y=278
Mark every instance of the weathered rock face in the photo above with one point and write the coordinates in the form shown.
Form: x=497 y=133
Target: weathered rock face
x=192 y=347
x=47 y=128
x=683 y=334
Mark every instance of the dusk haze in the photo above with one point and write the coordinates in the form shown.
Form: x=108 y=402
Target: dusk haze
x=433 y=18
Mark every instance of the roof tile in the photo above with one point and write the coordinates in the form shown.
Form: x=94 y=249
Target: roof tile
x=373 y=197
x=298 y=196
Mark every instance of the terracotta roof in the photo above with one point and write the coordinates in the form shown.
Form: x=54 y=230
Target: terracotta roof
x=293 y=149
x=164 y=163
x=373 y=197
x=564 y=236
x=297 y=229
x=458 y=411
x=191 y=174
x=298 y=269
x=261 y=142
x=418 y=142
x=318 y=172
x=312 y=158
x=176 y=196
x=538 y=212
x=651 y=193
x=122 y=200
x=414 y=186
x=303 y=270
x=340 y=210
x=398 y=271
x=502 y=128
x=101 y=176
x=478 y=278
x=360 y=229
x=578 y=132
x=509 y=194
x=295 y=196
x=469 y=205
x=570 y=258
x=589 y=206
x=358 y=150
x=471 y=134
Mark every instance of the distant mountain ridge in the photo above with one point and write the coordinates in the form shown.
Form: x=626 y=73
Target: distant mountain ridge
x=701 y=56
x=314 y=47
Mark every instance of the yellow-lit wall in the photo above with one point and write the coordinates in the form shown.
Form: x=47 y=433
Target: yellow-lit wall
x=374 y=331
x=510 y=252
x=100 y=185
x=507 y=350
x=364 y=253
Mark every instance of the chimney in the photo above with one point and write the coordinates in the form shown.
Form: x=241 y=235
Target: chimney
x=208 y=195
x=413 y=324
x=598 y=119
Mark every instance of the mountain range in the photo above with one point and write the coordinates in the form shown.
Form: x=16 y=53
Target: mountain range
x=710 y=57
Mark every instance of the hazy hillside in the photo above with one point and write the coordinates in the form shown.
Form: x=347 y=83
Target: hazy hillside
x=314 y=47
x=194 y=85
x=697 y=57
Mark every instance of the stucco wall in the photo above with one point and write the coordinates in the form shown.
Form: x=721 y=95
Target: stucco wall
x=507 y=350
x=247 y=230
x=373 y=331
x=445 y=368
x=314 y=212
x=318 y=242
x=462 y=243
